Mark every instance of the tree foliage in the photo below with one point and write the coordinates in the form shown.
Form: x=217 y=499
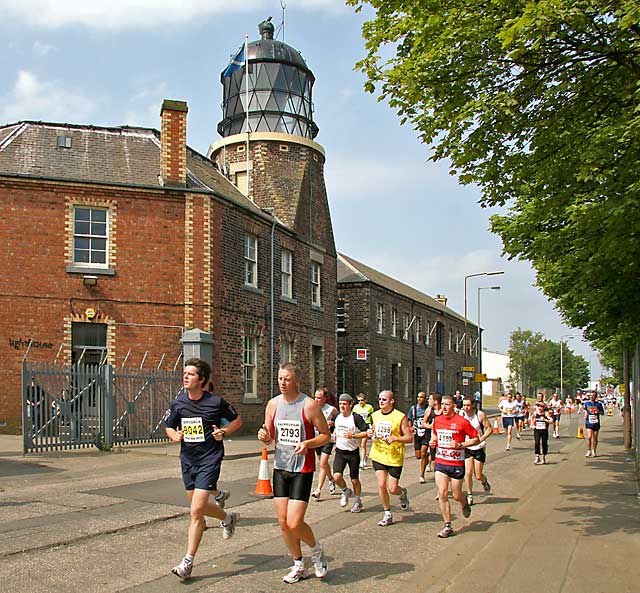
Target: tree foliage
x=538 y=103
x=535 y=363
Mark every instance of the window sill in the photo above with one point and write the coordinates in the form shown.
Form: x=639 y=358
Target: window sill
x=75 y=269
x=253 y=289
x=318 y=308
x=287 y=299
x=251 y=399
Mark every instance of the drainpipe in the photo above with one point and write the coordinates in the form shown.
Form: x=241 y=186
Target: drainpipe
x=272 y=309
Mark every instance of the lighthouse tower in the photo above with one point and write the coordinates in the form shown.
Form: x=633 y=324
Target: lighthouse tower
x=267 y=148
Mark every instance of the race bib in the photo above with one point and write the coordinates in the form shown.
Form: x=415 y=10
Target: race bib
x=455 y=454
x=445 y=438
x=541 y=424
x=341 y=432
x=383 y=430
x=592 y=418
x=289 y=432
x=193 y=430
x=421 y=431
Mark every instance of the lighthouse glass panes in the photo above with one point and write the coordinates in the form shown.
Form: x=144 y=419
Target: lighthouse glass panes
x=279 y=101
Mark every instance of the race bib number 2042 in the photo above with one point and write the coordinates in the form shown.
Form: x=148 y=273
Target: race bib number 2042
x=192 y=430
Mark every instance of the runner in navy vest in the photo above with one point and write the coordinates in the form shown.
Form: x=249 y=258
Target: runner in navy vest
x=290 y=419
x=593 y=409
x=193 y=421
x=421 y=435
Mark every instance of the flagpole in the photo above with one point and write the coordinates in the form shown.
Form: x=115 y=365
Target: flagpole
x=246 y=77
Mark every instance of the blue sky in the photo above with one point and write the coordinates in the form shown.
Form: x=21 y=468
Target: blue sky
x=112 y=62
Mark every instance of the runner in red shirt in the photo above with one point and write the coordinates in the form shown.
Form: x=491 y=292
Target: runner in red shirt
x=451 y=434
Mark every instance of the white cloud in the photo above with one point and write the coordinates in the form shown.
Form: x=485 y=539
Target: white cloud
x=42 y=49
x=34 y=99
x=147 y=14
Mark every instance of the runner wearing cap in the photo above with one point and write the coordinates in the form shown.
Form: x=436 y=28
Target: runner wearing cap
x=348 y=429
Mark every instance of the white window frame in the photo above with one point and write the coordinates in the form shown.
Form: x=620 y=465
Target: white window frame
x=341 y=316
x=316 y=276
x=379 y=318
x=286 y=271
x=251 y=260
x=90 y=237
x=394 y=323
x=250 y=365
x=405 y=327
x=286 y=351
x=417 y=330
x=450 y=340
x=427 y=333
x=457 y=346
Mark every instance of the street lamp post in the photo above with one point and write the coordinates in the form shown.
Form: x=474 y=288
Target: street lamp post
x=465 y=298
x=569 y=337
x=480 y=335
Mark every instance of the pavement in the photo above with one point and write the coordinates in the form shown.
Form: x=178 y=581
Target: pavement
x=93 y=522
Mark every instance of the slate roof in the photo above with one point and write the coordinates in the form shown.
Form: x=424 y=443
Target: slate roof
x=351 y=270
x=123 y=155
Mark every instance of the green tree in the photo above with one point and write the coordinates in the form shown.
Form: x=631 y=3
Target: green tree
x=538 y=103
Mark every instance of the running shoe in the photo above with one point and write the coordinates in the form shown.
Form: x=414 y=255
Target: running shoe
x=404 y=500
x=316 y=494
x=486 y=486
x=319 y=563
x=422 y=480
x=347 y=493
x=332 y=488
x=593 y=453
x=588 y=453
x=221 y=499
x=357 y=506
x=363 y=464
x=386 y=520
x=183 y=570
x=446 y=531
x=469 y=499
x=518 y=436
x=296 y=573
x=508 y=448
x=466 y=510
x=229 y=530
x=429 y=468
x=536 y=461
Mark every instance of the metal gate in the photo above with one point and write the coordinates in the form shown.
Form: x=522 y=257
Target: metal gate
x=76 y=406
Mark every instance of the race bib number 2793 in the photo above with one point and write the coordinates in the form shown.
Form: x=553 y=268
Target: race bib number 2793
x=289 y=432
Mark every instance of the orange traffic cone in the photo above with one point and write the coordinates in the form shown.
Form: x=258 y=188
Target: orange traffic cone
x=580 y=433
x=263 y=487
x=496 y=430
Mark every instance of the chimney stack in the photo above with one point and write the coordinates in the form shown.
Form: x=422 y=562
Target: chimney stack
x=441 y=299
x=173 y=143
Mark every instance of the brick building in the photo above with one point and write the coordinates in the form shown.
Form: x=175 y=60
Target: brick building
x=386 y=328
x=117 y=240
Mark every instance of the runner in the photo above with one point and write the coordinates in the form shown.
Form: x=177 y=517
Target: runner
x=390 y=431
x=193 y=420
x=541 y=420
x=290 y=419
x=508 y=408
x=420 y=438
x=364 y=410
x=556 y=405
x=593 y=409
x=476 y=455
x=519 y=417
x=349 y=428
x=324 y=452
x=434 y=409
x=449 y=432
x=569 y=406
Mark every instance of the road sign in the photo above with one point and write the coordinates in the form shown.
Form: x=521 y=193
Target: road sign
x=361 y=353
x=480 y=377
x=467 y=374
x=465 y=381
x=469 y=369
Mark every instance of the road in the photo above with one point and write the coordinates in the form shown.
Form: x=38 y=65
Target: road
x=95 y=522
